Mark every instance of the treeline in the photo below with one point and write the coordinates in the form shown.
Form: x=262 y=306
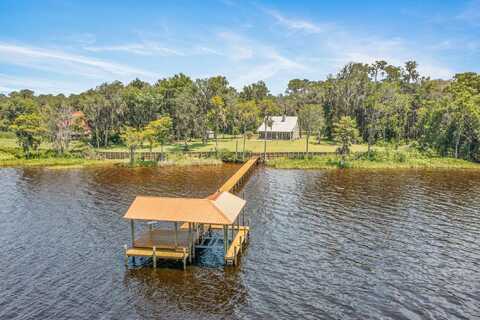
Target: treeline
x=387 y=104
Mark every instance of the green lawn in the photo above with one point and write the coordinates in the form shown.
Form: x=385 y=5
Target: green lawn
x=229 y=143
x=253 y=145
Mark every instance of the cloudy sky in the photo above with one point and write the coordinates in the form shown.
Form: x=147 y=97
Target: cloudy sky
x=66 y=46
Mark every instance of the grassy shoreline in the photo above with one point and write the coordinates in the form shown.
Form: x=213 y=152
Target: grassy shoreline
x=63 y=162
x=56 y=162
x=333 y=162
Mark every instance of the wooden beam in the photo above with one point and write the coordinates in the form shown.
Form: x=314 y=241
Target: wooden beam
x=176 y=234
x=225 y=239
x=132 y=230
x=154 y=257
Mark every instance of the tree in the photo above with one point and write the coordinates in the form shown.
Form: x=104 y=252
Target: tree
x=411 y=73
x=159 y=131
x=186 y=114
x=16 y=104
x=29 y=131
x=217 y=116
x=59 y=123
x=346 y=133
x=311 y=116
x=268 y=108
x=132 y=138
x=255 y=91
x=141 y=106
x=377 y=68
x=248 y=118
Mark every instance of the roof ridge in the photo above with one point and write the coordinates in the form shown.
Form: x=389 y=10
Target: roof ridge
x=217 y=208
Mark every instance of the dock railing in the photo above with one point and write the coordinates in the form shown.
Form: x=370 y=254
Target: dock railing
x=154 y=155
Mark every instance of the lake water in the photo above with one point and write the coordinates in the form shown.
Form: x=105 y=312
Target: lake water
x=324 y=245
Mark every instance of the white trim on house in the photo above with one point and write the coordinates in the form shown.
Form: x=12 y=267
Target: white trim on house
x=283 y=128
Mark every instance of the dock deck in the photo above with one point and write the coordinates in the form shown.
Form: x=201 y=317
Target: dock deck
x=167 y=254
x=237 y=179
x=236 y=246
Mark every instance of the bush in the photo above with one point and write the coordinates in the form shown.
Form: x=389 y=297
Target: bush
x=14 y=152
x=226 y=155
x=7 y=135
x=81 y=149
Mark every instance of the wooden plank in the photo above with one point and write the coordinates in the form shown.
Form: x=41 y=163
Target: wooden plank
x=238 y=241
x=160 y=254
x=213 y=226
x=233 y=180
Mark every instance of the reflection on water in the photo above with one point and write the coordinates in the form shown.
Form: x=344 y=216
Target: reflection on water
x=324 y=244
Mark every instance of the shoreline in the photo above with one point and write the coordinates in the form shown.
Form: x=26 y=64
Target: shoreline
x=83 y=163
x=333 y=163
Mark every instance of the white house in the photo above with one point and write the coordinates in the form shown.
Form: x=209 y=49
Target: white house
x=283 y=128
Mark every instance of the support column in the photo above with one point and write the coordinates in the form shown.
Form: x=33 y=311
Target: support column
x=176 y=234
x=154 y=257
x=225 y=239
x=190 y=243
x=132 y=230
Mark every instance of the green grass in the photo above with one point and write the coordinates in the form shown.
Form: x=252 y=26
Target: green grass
x=56 y=162
x=333 y=162
x=253 y=145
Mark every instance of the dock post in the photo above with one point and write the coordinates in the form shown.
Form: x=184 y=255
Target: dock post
x=184 y=259
x=225 y=239
x=234 y=255
x=176 y=234
x=126 y=255
x=154 y=257
x=190 y=242
x=243 y=216
x=132 y=230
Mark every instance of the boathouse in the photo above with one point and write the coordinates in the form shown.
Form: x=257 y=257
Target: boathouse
x=282 y=128
x=193 y=221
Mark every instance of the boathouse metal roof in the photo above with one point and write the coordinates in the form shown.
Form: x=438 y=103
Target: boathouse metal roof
x=221 y=208
x=280 y=124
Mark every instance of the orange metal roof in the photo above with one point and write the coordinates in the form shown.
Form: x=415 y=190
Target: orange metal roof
x=221 y=209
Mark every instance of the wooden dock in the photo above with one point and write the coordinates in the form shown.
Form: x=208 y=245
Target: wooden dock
x=196 y=223
x=236 y=246
x=155 y=254
x=237 y=180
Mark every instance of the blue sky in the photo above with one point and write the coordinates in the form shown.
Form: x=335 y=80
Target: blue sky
x=63 y=46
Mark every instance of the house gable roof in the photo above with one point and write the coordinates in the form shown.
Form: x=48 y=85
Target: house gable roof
x=278 y=125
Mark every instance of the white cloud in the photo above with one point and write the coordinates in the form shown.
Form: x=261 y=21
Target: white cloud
x=63 y=62
x=142 y=48
x=329 y=51
x=253 y=61
x=297 y=24
x=238 y=47
x=10 y=83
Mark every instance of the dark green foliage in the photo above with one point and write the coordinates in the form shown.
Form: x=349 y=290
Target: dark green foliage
x=389 y=105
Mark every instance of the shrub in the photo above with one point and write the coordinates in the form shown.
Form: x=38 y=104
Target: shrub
x=81 y=149
x=226 y=155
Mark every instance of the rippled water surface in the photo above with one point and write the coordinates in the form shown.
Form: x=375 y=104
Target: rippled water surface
x=324 y=245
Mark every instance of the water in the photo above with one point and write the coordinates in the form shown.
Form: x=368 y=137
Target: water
x=324 y=245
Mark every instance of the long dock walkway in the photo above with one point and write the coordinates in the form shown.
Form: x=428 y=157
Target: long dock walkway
x=235 y=181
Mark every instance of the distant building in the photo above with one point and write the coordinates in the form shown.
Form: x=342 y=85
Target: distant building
x=82 y=129
x=283 y=128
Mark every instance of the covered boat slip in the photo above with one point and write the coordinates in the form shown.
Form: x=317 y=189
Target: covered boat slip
x=193 y=222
